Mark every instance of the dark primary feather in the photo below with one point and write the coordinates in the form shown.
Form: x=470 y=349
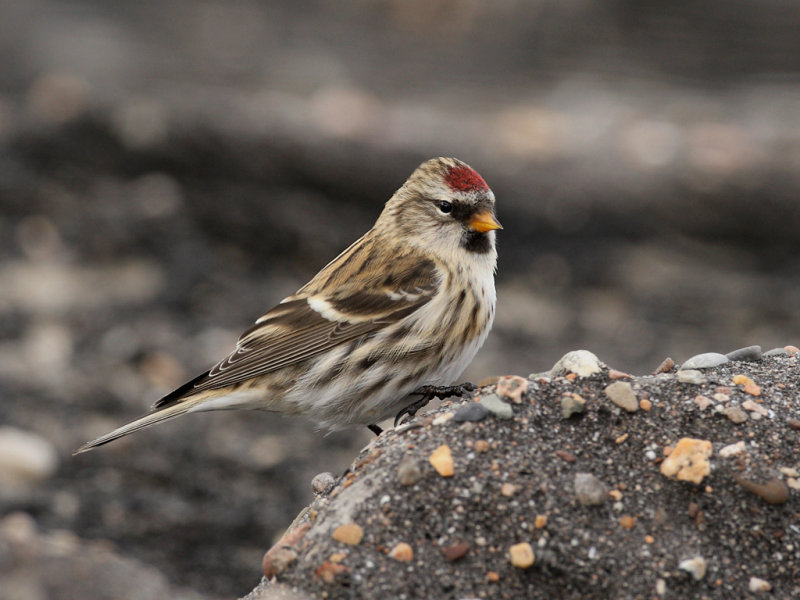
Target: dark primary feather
x=293 y=332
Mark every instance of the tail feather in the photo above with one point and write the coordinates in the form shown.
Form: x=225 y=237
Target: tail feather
x=149 y=419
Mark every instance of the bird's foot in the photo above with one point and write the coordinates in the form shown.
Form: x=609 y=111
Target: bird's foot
x=375 y=429
x=429 y=392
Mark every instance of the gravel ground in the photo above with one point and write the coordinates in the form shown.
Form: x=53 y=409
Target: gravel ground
x=608 y=501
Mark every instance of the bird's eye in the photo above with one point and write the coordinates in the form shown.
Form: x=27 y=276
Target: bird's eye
x=445 y=206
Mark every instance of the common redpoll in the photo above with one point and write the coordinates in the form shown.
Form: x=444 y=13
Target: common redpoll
x=405 y=307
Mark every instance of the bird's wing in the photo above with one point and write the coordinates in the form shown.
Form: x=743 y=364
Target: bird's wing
x=321 y=316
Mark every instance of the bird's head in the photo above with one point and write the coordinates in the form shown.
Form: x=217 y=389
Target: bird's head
x=444 y=207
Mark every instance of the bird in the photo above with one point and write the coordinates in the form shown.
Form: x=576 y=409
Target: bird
x=387 y=325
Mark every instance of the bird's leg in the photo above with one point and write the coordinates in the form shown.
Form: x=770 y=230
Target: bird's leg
x=375 y=429
x=429 y=392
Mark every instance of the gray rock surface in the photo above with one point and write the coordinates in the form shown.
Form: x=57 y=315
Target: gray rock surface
x=591 y=497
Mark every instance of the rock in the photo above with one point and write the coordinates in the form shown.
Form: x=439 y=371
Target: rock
x=589 y=490
x=755 y=407
x=481 y=446
x=25 y=458
x=775 y=352
x=329 y=571
x=688 y=461
x=732 y=450
x=692 y=376
x=277 y=561
x=471 y=411
x=572 y=404
x=521 y=555
x=513 y=387
x=621 y=393
x=773 y=491
x=500 y=409
x=793 y=424
x=706 y=360
x=702 y=402
x=750 y=353
x=757 y=585
x=349 y=533
x=627 y=521
x=442 y=461
x=748 y=384
x=409 y=471
x=508 y=489
x=581 y=362
x=735 y=414
x=695 y=566
x=323 y=483
x=665 y=367
x=455 y=551
x=402 y=552
x=443 y=418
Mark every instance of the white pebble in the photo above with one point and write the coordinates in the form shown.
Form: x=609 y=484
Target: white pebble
x=25 y=457
x=695 y=566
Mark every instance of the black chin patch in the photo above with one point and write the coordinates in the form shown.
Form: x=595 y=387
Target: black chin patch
x=475 y=241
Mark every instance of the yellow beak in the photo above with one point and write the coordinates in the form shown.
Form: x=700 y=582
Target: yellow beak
x=483 y=221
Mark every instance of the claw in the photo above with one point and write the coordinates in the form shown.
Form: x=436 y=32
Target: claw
x=429 y=392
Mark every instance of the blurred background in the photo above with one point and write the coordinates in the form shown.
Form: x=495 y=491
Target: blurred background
x=171 y=169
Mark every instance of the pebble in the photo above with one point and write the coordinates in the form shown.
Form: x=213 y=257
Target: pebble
x=350 y=534
x=661 y=587
x=776 y=352
x=750 y=354
x=471 y=411
x=702 y=402
x=409 y=471
x=572 y=404
x=627 y=521
x=442 y=461
x=513 y=387
x=621 y=393
x=581 y=362
x=25 y=457
x=481 y=446
x=455 y=551
x=589 y=490
x=732 y=450
x=497 y=407
x=792 y=350
x=521 y=555
x=645 y=404
x=443 y=418
x=540 y=522
x=735 y=414
x=276 y=561
x=665 y=367
x=773 y=491
x=692 y=376
x=748 y=384
x=508 y=489
x=402 y=552
x=323 y=483
x=755 y=407
x=615 y=374
x=695 y=566
x=756 y=585
x=688 y=461
x=706 y=360
x=794 y=424
x=328 y=571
